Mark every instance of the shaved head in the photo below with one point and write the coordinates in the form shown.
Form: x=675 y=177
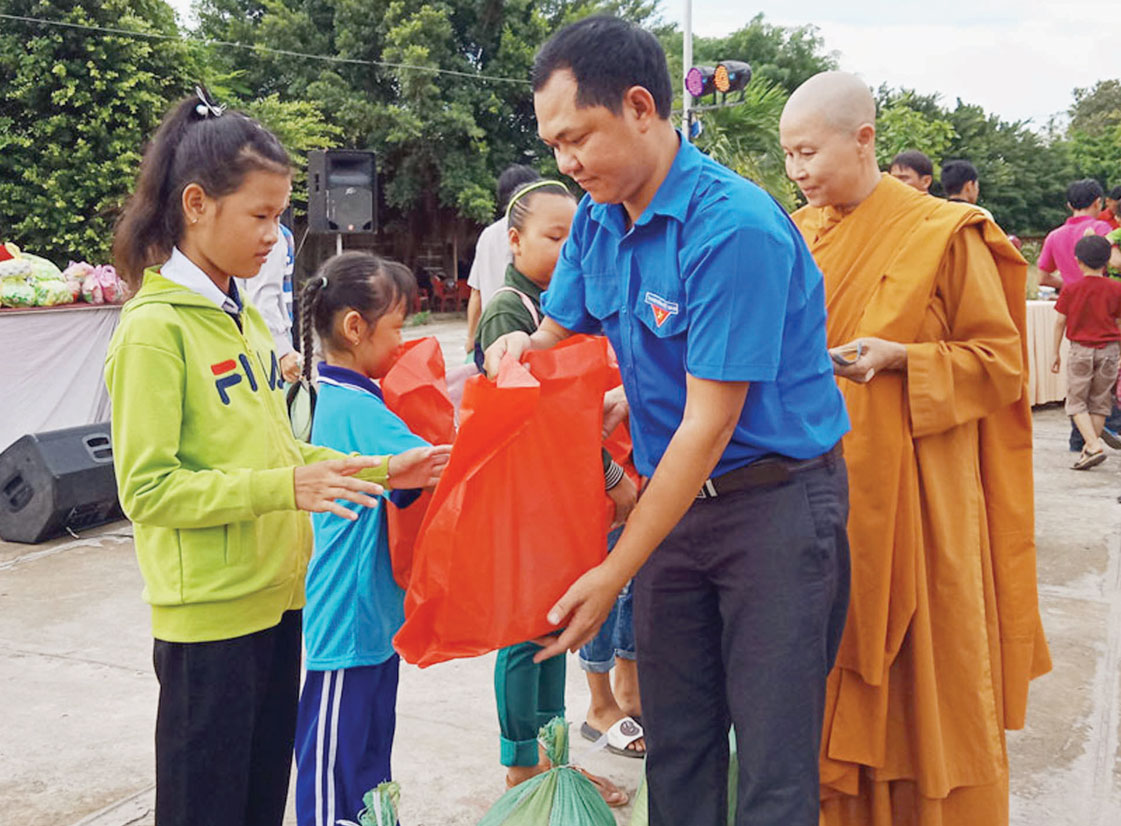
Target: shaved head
x=828 y=134
x=841 y=101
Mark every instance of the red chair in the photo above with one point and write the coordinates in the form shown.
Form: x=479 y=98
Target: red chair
x=442 y=296
x=462 y=294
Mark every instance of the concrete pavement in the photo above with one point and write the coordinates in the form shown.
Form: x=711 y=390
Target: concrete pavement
x=77 y=693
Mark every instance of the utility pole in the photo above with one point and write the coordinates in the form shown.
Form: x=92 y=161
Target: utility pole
x=687 y=61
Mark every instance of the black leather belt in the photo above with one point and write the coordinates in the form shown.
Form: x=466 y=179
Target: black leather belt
x=766 y=472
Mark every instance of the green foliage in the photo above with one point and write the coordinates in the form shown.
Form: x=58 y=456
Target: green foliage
x=900 y=127
x=1023 y=174
x=745 y=138
x=783 y=55
x=1098 y=155
x=300 y=126
x=419 y=319
x=441 y=140
x=78 y=106
x=75 y=112
x=1096 y=111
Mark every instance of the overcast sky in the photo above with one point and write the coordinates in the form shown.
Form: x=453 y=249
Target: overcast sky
x=1018 y=58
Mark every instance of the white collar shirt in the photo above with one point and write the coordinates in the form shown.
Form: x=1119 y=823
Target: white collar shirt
x=186 y=273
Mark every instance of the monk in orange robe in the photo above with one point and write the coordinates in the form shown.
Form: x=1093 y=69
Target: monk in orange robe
x=926 y=300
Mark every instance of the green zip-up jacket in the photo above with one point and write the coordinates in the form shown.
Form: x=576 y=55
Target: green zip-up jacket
x=205 y=462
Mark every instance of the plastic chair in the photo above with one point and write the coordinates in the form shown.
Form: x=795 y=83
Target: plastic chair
x=442 y=297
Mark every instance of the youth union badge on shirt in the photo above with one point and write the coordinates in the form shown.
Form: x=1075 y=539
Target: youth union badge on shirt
x=661 y=308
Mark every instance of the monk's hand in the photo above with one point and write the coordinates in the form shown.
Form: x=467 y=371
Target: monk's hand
x=615 y=409
x=1056 y=365
x=876 y=356
x=513 y=343
x=583 y=609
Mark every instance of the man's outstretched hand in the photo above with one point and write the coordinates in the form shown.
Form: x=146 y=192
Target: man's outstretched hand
x=585 y=605
x=514 y=344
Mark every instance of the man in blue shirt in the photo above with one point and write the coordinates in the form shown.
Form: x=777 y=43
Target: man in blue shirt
x=716 y=312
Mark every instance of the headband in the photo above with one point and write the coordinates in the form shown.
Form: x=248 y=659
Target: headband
x=525 y=190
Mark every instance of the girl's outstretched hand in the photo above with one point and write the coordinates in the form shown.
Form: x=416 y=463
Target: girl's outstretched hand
x=320 y=484
x=418 y=468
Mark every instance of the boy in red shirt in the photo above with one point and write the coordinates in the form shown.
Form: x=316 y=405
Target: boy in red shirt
x=1089 y=313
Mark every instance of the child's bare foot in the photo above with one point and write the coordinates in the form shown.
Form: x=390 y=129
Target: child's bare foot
x=612 y=795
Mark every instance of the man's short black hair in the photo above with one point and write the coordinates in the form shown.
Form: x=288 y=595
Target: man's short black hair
x=1093 y=251
x=955 y=175
x=607 y=56
x=1115 y=194
x=916 y=160
x=1082 y=194
x=513 y=178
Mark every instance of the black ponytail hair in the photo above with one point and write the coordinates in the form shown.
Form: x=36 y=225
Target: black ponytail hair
x=196 y=143
x=361 y=281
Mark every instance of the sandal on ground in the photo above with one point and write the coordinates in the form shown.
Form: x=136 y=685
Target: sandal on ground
x=620 y=736
x=1087 y=460
x=612 y=795
x=1111 y=438
x=541 y=769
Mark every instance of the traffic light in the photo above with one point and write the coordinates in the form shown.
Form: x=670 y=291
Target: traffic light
x=731 y=76
x=726 y=76
x=700 y=81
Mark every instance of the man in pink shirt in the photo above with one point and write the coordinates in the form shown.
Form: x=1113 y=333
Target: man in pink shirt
x=1084 y=199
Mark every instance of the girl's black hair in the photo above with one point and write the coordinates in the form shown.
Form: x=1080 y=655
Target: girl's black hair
x=196 y=143
x=521 y=206
x=358 y=281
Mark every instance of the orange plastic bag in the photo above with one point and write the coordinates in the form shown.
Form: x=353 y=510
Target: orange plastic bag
x=518 y=515
x=415 y=389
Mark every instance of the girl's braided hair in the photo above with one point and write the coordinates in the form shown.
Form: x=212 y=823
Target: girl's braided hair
x=361 y=281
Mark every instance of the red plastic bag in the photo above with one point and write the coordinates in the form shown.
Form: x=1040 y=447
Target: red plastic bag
x=415 y=389
x=518 y=515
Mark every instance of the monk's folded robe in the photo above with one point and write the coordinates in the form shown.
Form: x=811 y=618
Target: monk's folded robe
x=943 y=631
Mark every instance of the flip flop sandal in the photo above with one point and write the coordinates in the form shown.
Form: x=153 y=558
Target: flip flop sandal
x=1088 y=460
x=624 y=732
x=605 y=788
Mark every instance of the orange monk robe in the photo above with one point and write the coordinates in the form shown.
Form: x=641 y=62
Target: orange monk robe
x=943 y=632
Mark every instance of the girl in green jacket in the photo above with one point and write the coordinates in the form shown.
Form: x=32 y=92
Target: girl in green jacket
x=208 y=469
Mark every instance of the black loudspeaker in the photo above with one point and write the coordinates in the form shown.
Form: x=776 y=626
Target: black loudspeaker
x=342 y=191
x=57 y=480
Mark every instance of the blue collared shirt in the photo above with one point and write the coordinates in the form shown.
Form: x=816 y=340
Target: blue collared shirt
x=713 y=280
x=354 y=606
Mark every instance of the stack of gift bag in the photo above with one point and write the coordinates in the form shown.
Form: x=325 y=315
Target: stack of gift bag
x=28 y=280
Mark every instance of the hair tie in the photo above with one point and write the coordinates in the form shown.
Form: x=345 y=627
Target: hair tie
x=205 y=108
x=525 y=190
x=322 y=282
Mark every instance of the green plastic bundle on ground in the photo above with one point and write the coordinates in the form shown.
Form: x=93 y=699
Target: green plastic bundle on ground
x=381 y=807
x=562 y=796
x=640 y=813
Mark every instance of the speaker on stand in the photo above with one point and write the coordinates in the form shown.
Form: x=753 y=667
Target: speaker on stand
x=57 y=480
x=342 y=192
